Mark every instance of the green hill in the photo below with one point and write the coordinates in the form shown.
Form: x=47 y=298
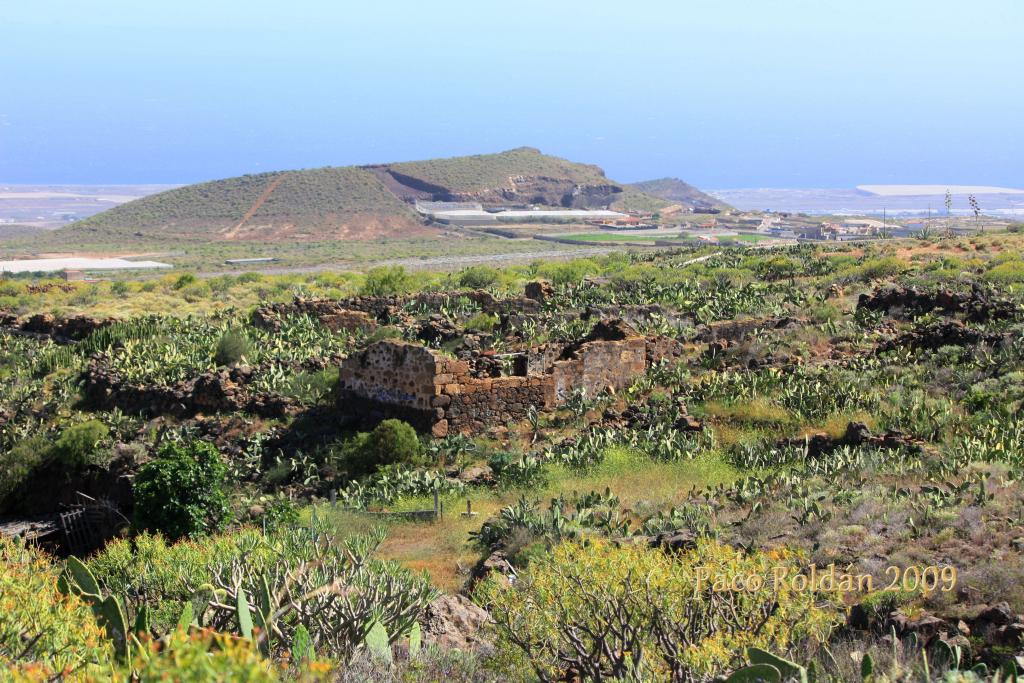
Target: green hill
x=358 y=202
x=308 y=204
x=485 y=172
x=676 y=191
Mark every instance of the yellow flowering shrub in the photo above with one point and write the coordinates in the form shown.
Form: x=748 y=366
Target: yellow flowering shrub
x=44 y=633
x=152 y=571
x=598 y=611
x=200 y=657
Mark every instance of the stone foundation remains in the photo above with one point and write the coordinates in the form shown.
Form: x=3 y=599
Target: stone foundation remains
x=436 y=393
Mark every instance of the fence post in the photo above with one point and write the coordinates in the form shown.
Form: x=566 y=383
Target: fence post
x=437 y=505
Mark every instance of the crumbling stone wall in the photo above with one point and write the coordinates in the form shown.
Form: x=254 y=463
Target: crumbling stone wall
x=60 y=329
x=597 y=366
x=978 y=305
x=481 y=403
x=734 y=330
x=213 y=391
x=396 y=379
x=442 y=395
x=333 y=314
x=433 y=392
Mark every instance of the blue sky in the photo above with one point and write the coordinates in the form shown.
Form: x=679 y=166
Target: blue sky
x=723 y=93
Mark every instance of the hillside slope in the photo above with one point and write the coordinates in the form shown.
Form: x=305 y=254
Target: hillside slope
x=323 y=203
x=358 y=202
x=679 y=192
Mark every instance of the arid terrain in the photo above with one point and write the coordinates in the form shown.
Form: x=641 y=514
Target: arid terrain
x=463 y=470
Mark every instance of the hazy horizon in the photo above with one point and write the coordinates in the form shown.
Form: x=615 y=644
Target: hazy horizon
x=777 y=95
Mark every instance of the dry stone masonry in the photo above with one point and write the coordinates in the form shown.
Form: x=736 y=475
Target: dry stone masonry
x=440 y=394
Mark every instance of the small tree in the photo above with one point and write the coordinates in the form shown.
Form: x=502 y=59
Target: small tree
x=180 y=492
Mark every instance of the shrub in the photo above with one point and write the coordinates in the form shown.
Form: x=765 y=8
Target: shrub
x=147 y=570
x=310 y=388
x=179 y=493
x=18 y=463
x=43 y=632
x=196 y=292
x=203 y=656
x=824 y=312
x=478 y=277
x=384 y=332
x=392 y=442
x=572 y=272
x=232 y=347
x=604 y=612
x=385 y=280
x=777 y=268
x=1007 y=273
x=877 y=269
x=184 y=281
x=482 y=321
x=80 y=444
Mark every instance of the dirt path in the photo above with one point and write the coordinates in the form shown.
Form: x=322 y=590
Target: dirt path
x=264 y=196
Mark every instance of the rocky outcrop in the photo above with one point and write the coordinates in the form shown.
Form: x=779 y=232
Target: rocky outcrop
x=496 y=562
x=857 y=434
x=60 y=329
x=214 y=391
x=635 y=417
x=539 y=290
x=534 y=189
x=438 y=329
x=455 y=622
x=734 y=330
x=990 y=626
x=978 y=305
x=942 y=333
x=633 y=314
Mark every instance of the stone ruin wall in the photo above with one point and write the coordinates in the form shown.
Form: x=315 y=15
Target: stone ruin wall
x=600 y=365
x=437 y=394
x=393 y=379
x=478 y=404
x=433 y=392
